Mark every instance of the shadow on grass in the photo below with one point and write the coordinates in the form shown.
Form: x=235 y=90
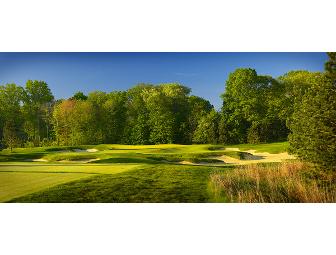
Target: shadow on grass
x=14 y=157
x=162 y=183
x=128 y=160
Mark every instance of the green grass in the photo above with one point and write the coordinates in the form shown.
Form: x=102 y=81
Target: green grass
x=120 y=173
x=18 y=184
x=159 y=183
x=171 y=152
x=264 y=147
x=19 y=180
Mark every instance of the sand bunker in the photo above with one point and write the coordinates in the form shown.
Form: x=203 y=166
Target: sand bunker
x=88 y=150
x=40 y=160
x=250 y=157
x=91 y=150
x=84 y=160
x=232 y=149
x=184 y=162
x=257 y=157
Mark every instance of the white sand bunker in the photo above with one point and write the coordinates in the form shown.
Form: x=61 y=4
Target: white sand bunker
x=185 y=162
x=88 y=150
x=250 y=157
x=257 y=157
x=40 y=160
x=232 y=149
x=91 y=150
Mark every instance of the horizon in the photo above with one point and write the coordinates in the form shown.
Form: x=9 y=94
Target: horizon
x=204 y=72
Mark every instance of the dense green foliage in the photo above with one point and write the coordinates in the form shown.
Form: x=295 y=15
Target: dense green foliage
x=249 y=109
x=144 y=114
x=330 y=67
x=313 y=123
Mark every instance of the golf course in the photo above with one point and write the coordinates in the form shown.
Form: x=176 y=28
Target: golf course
x=126 y=173
x=269 y=139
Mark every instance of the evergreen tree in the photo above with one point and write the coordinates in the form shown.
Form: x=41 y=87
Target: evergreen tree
x=330 y=67
x=313 y=126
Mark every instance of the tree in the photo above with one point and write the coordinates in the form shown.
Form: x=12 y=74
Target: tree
x=79 y=96
x=313 y=126
x=160 y=117
x=198 y=108
x=137 y=127
x=75 y=122
x=295 y=84
x=330 y=67
x=10 y=108
x=114 y=117
x=37 y=96
x=62 y=121
x=249 y=112
x=207 y=129
x=11 y=134
x=176 y=98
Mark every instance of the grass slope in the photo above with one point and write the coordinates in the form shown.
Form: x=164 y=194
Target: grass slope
x=19 y=180
x=160 y=183
x=14 y=185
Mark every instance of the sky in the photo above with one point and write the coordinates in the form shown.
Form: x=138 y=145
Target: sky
x=204 y=73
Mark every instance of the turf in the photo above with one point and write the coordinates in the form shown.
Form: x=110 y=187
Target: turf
x=132 y=153
x=68 y=168
x=14 y=185
x=161 y=183
x=19 y=180
x=264 y=147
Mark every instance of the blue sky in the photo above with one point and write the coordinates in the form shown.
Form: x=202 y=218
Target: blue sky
x=204 y=73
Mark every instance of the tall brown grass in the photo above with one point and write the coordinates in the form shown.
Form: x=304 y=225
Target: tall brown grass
x=274 y=183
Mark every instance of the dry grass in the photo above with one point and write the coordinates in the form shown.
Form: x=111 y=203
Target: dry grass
x=274 y=183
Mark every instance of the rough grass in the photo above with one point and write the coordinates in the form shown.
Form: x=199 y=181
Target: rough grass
x=282 y=182
x=160 y=183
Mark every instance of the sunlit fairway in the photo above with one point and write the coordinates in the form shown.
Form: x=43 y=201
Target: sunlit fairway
x=18 y=180
x=119 y=173
x=17 y=184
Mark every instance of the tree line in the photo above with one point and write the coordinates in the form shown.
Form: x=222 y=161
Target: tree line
x=299 y=106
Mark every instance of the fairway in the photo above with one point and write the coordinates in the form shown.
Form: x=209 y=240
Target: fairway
x=161 y=183
x=18 y=184
x=18 y=180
